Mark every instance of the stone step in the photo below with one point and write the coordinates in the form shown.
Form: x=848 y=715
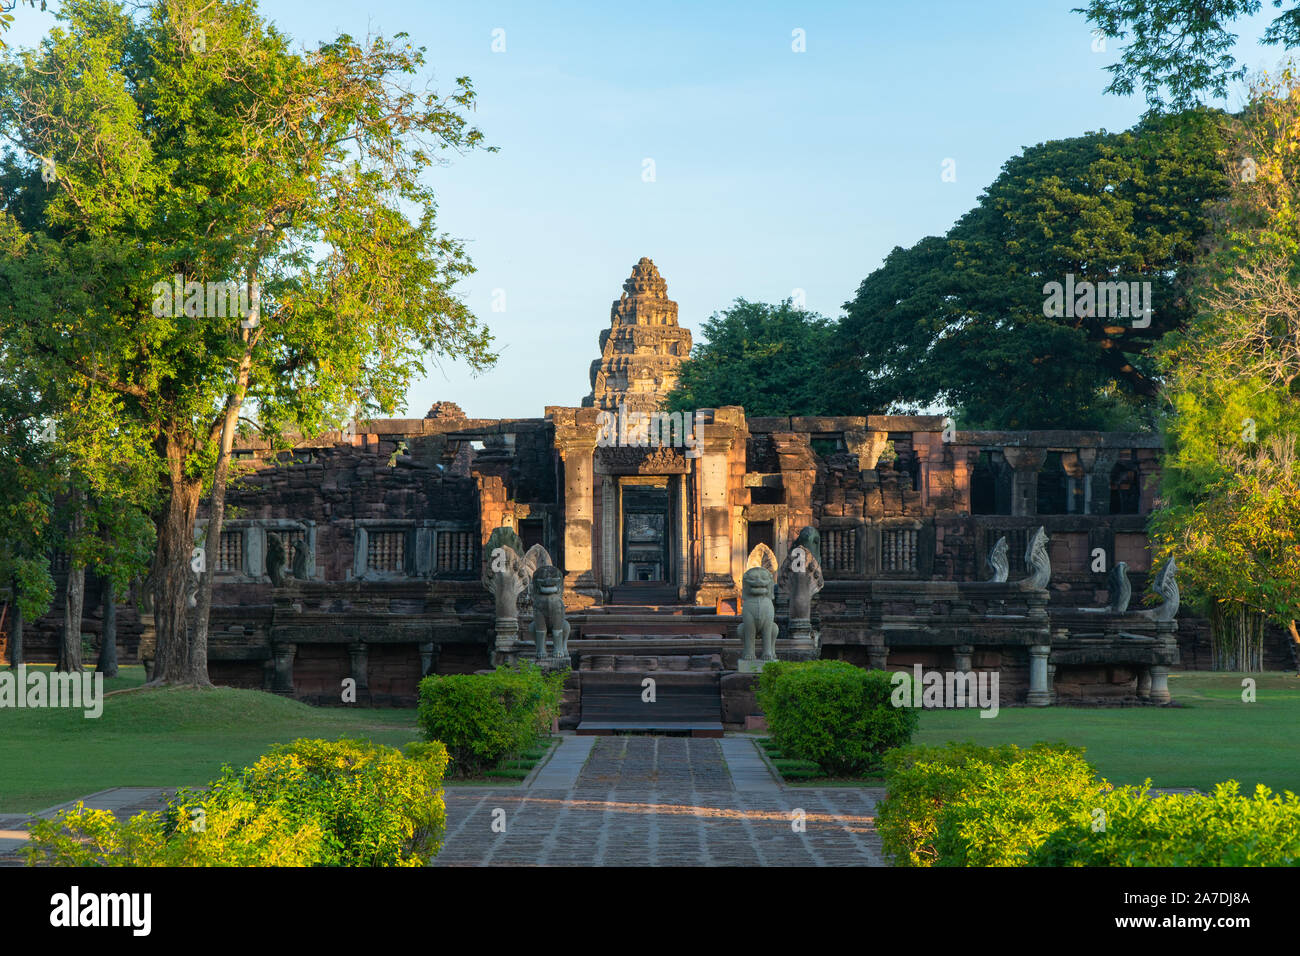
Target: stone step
x=614 y=702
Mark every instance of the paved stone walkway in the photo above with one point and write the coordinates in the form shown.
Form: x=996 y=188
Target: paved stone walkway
x=623 y=801
x=660 y=801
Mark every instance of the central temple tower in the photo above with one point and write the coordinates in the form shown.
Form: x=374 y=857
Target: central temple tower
x=643 y=348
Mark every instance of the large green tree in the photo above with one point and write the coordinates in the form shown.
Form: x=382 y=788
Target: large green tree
x=185 y=138
x=29 y=473
x=1231 y=475
x=1176 y=51
x=960 y=320
x=771 y=359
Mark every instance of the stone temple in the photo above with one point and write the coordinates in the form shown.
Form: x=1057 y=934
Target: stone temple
x=362 y=554
x=642 y=348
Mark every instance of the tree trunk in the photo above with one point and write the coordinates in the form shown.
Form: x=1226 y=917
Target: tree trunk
x=217 y=507
x=108 y=645
x=16 y=631
x=1236 y=637
x=74 y=594
x=1295 y=646
x=172 y=575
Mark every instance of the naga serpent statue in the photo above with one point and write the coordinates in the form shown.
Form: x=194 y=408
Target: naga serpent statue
x=998 y=561
x=1037 y=560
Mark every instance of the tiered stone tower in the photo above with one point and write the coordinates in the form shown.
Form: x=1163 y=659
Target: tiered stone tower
x=643 y=347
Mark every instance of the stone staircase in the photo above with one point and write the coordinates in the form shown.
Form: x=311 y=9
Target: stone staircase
x=673 y=694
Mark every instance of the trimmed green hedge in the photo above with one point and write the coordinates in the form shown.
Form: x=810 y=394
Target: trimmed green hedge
x=484 y=718
x=310 y=803
x=1136 y=828
x=927 y=787
x=835 y=714
x=965 y=805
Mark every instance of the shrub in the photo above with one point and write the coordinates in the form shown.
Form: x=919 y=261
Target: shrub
x=310 y=803
x=483 y=718
x=1137 y=828
x=833 y=713
x=924 y=820
x=1015 y=808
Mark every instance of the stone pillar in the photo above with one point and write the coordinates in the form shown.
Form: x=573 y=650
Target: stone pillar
x=683 y=540
x=877 y=656
x=1160 y=684
x=283 y=681
x=575 y=440
x=507 y=639
x=1024 y=483
x=714 y=471
x=1144 y=683
x=360 y=658
x=611 y=573
x=429 y=654
x=1040 y=694
x=961 y=658
x=1102 y=464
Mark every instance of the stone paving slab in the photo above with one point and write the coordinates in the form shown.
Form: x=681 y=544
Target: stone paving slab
x=748 y=769
x=664 y=801
x=561 y=771
x=622 y=801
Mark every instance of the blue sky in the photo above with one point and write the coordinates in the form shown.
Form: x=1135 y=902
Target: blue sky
x=773 y=170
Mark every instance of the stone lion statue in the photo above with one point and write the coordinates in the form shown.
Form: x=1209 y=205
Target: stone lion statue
x=301 y=560
x=275 y=560
x=757 y=615
x=548 y=611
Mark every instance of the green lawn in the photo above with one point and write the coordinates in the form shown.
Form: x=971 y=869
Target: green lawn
x=164 y=738
x=182 y=737
x=1214 y=737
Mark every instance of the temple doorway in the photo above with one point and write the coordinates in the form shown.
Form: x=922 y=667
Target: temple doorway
x=646 y=551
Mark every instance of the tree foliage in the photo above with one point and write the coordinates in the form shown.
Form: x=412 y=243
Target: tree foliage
x=186 y=138
x=1231 y=475
x=960 y=319
x=771 y=359
x=1179 y=50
